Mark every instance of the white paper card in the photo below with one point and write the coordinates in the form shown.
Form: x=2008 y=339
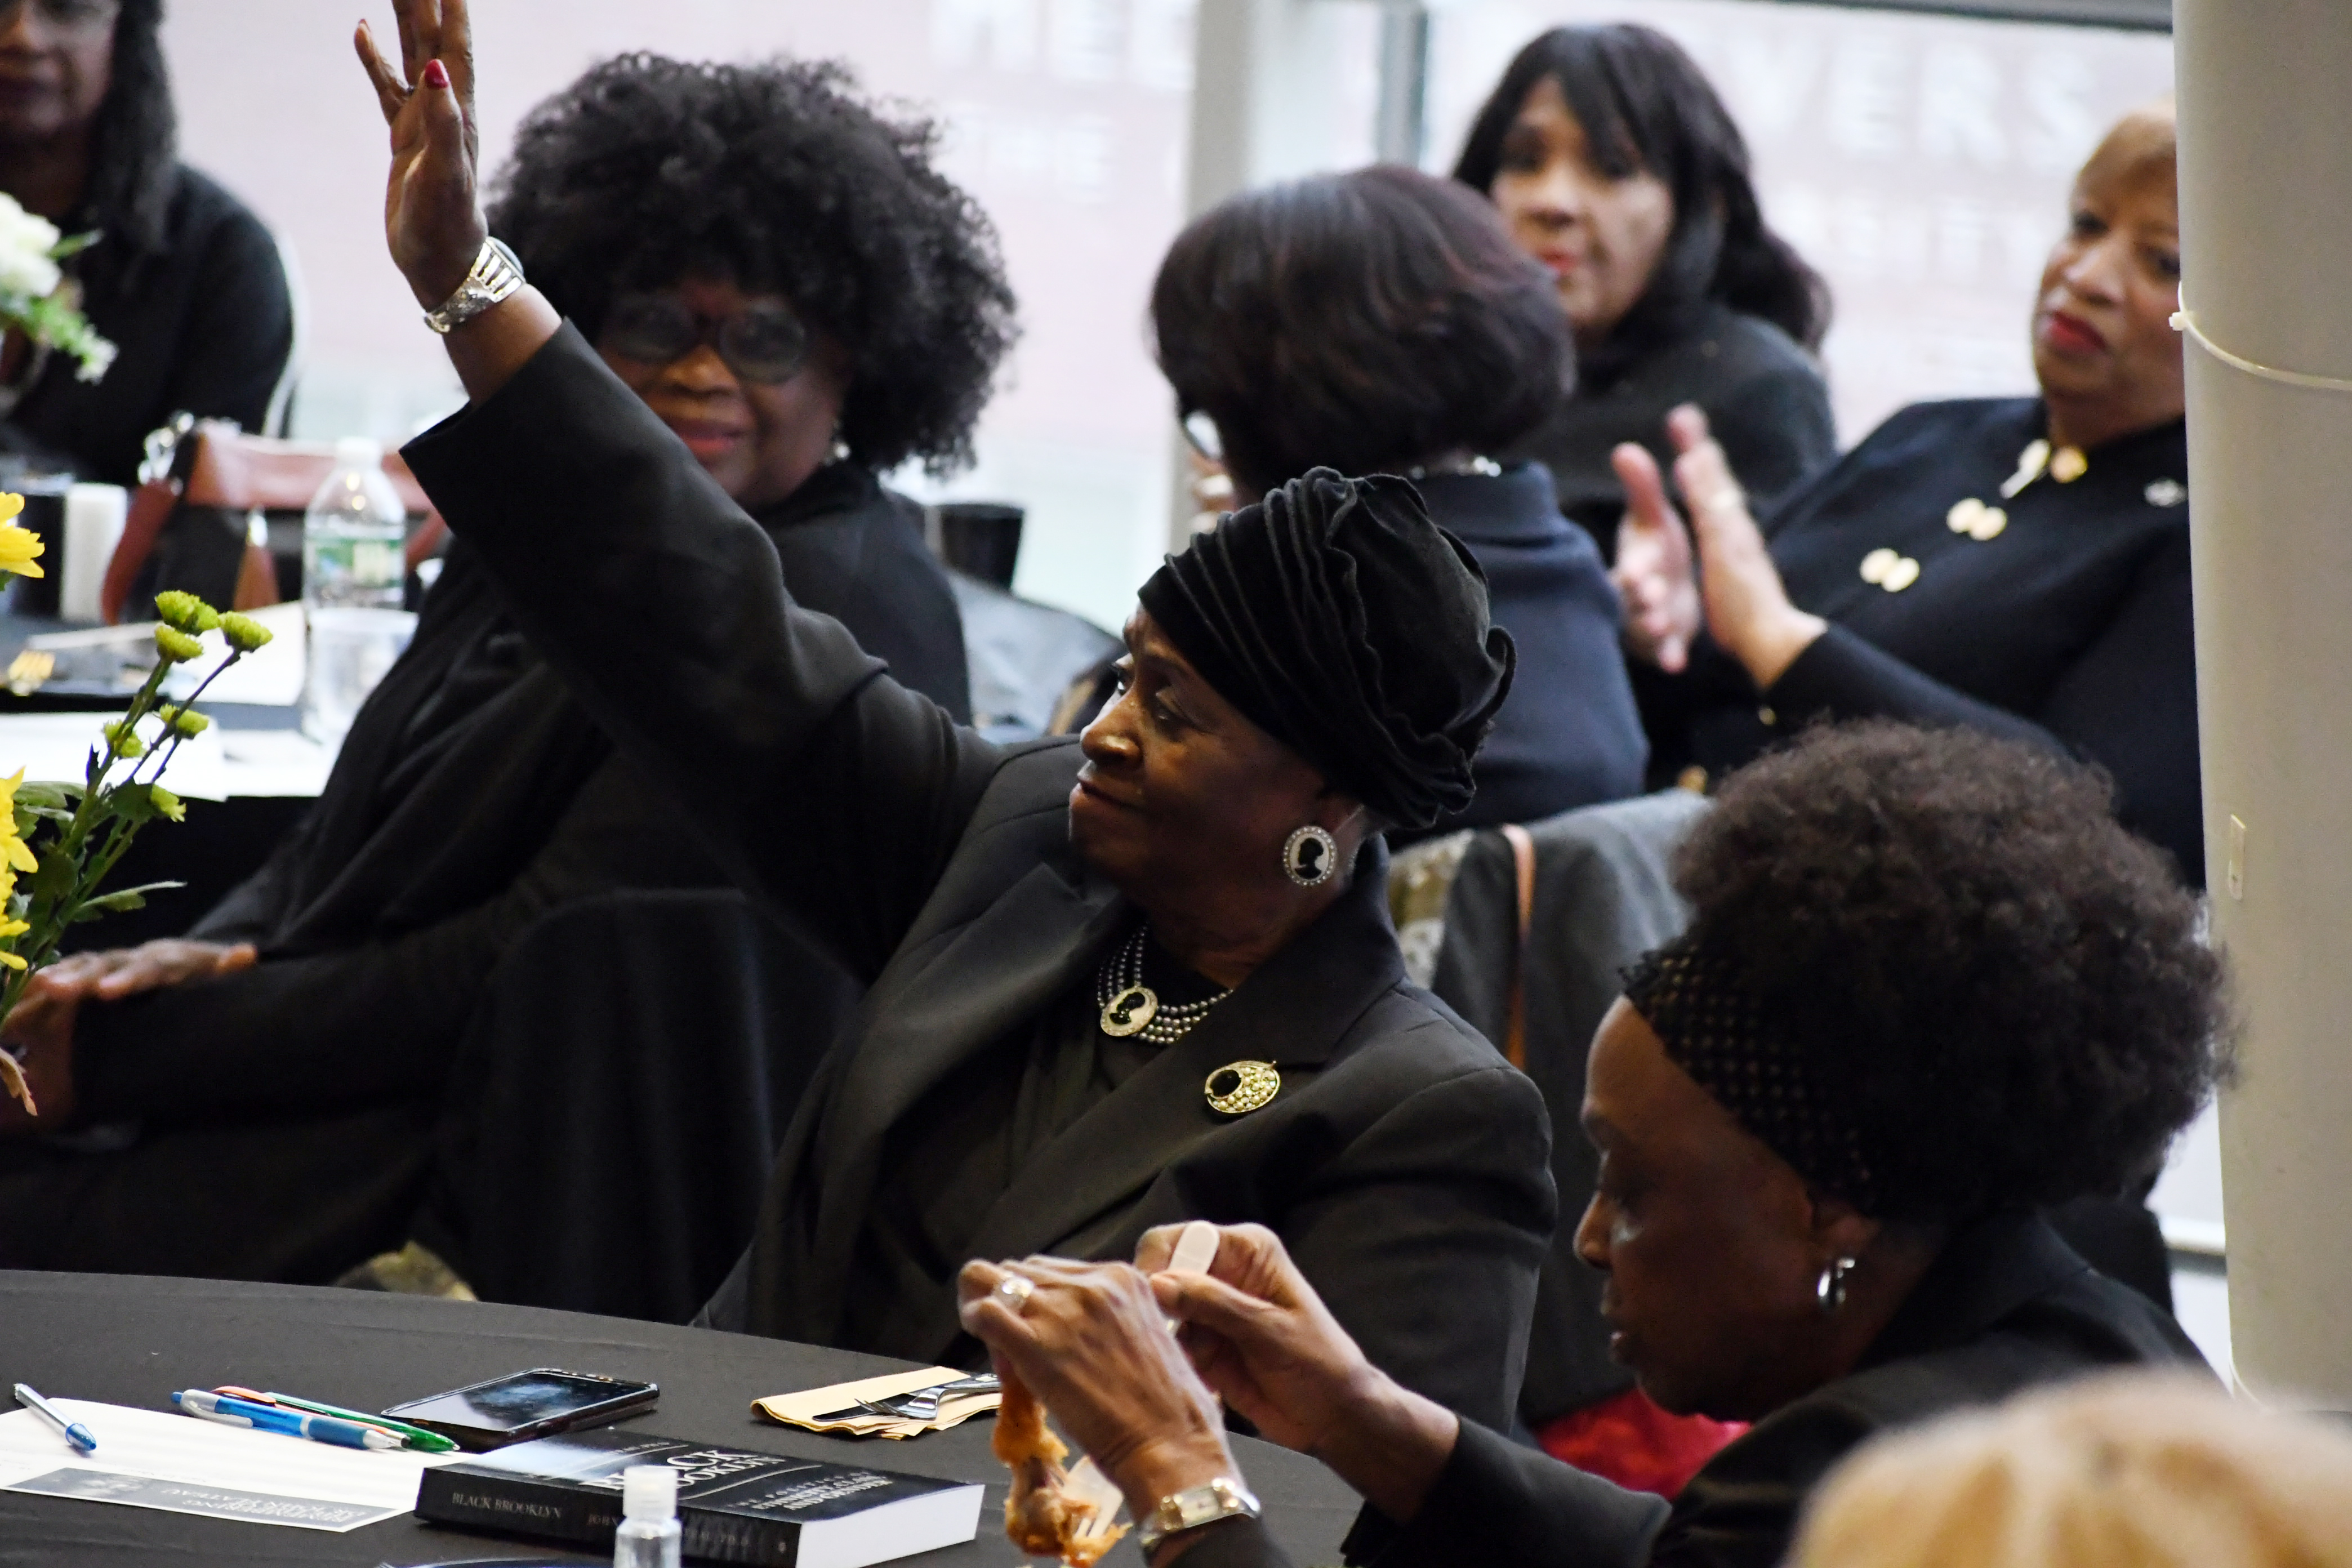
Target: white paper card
x=150 y=1458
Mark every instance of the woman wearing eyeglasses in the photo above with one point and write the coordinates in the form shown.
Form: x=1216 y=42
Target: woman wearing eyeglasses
x=778 y=272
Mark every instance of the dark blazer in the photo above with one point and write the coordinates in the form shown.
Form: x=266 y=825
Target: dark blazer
x=472 y=797
x=1570 y=733
x=1403 y=1162
x=2005 y=1308
x=1763 y=394
x=202 y=323
x=2068 y=629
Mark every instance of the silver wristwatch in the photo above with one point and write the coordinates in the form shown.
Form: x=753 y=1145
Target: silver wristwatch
x=1223 y=1497
x=494 y=275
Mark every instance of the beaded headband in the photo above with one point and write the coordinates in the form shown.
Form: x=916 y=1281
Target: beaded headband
x=1716 y=1030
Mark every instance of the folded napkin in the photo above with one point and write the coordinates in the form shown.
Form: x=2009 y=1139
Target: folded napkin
x=811 y=1408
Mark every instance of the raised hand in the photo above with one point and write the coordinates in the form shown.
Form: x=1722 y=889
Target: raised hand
x=1654 y=575
x=1746 y=605
x=432 y=215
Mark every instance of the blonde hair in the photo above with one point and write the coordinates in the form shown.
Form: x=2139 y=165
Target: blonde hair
x=2133 y=1471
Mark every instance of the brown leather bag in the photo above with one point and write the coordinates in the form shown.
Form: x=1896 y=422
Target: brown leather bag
x=211 y=463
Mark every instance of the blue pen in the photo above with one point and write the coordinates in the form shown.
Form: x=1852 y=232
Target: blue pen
x=73 y=1432
x=231 y=1412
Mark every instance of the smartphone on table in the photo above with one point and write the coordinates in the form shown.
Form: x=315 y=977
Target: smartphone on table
x=521 y=1406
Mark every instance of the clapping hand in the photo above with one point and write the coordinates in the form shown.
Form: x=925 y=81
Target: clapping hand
x=1747 y=606
x=1656 y=576
x=1719 y=574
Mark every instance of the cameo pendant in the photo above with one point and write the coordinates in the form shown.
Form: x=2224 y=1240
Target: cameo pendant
x=1131 y=1012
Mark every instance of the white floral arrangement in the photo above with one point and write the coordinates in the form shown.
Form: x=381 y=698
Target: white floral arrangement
x=36 y=297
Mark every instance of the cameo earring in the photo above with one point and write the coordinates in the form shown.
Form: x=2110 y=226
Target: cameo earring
x=1309 y=857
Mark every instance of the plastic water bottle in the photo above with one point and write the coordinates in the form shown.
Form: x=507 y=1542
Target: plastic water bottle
x=649 y=1535
x=353 y=577
x=353 y=532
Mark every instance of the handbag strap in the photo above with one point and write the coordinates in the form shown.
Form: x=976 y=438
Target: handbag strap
x=1523 y=858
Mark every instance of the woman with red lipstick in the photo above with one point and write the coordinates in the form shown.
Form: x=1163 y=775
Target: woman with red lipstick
x=1615 y=165
x=2018 y=566
x=779 y=276
x=1928 y=987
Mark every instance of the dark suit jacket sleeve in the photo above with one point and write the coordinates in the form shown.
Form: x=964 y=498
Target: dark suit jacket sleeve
x=353 y=1025
x=240 y=333
x=819 y=783
x=1428 y=1234
x=1236 y=1544
x=2100 y=709
x=1775 y=430
x=1499 y=1503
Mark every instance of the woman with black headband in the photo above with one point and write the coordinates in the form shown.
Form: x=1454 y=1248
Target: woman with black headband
x=1929 y=988
x=1141 y=978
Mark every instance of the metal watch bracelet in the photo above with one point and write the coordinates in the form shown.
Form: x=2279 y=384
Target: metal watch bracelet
x=1223 y=1497
x=495 y=275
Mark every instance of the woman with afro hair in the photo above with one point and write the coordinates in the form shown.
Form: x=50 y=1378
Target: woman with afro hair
x=781 y=275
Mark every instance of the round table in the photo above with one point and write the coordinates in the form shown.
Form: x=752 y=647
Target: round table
x=131 y=1339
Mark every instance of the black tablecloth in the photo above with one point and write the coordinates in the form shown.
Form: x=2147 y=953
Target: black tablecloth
x=132 y=1340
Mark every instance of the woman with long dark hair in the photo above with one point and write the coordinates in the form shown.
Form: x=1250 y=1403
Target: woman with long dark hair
x=1617 y=166
x=183 y=280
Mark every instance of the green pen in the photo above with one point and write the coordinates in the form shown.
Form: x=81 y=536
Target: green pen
x=416 y=1437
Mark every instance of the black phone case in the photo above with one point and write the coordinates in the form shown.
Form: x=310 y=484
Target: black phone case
x=629 y=1399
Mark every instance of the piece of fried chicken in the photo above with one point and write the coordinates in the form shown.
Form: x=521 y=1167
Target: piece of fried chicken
x=1040 y=1517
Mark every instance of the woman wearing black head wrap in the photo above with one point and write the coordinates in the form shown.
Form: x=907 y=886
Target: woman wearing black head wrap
x=1139 y=978
x=1929 y=988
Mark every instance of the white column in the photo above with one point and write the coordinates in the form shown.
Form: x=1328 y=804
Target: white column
x=2266 y=219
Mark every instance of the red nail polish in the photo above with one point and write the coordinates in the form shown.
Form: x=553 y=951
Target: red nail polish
x=434 y=76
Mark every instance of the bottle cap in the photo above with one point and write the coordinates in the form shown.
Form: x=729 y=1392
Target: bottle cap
x=359 y=451
x=649 y=1492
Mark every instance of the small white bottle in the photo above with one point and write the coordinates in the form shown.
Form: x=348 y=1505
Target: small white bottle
x=649 y=1535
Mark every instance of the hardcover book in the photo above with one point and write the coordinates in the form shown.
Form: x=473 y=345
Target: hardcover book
x=734 y=1505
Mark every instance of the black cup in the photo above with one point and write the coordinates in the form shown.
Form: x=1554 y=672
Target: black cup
x=44 y=515
x=981 y=539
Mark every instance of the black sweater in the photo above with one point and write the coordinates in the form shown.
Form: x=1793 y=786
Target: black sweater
x=2069 y=626
x=202 y=325
x=2006 y=1307
x=1764 y=398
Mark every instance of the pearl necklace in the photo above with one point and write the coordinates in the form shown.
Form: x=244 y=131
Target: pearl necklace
x=1131 y=1007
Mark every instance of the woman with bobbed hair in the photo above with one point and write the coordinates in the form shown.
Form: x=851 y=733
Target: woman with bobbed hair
x=1929 y=988
x=2122 y=1471
x=1616 y=165
x=777 y=272
x=1382 y=323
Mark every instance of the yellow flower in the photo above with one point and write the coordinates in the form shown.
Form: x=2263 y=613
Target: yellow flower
x=11 y=504
x=174 y=646
x=18 y=546
x=242 y=632
x=11 y=960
